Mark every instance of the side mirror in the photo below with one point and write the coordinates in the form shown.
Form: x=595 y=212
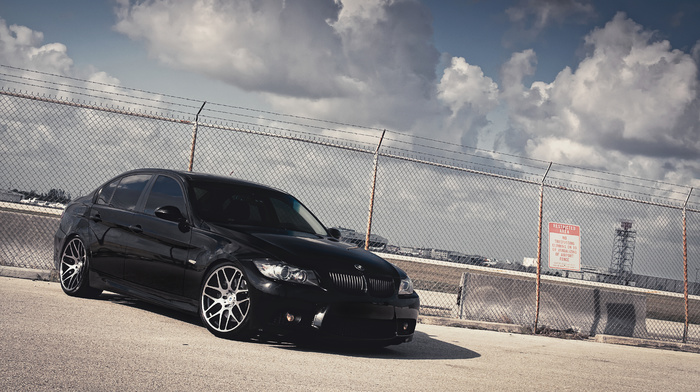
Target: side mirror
x=335 y=233
x=173 y=214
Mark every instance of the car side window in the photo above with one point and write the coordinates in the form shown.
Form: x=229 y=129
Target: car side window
x=165 y=192
x=127 y=194
x=106 y=193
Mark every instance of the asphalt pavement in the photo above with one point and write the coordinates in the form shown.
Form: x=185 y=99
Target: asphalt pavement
x=50 y=341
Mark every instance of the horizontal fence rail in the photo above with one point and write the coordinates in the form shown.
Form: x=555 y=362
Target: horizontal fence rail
x=462 y=222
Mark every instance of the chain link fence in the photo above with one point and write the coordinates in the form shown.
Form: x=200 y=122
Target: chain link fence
x=462 y=222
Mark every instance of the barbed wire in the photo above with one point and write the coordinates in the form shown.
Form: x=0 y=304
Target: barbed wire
x=194 y=100
x=89 y=89
x=537 y=164
x=94 y=96
x=225 y=122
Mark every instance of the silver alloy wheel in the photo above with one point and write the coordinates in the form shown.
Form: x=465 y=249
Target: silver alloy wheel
x=225 y=300
x=73 y=260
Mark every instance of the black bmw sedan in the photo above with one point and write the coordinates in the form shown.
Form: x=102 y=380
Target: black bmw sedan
x=249 y=259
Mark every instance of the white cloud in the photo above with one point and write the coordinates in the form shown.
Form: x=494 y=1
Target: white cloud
x=287 y=48
x=630 y=104
x=470 y=97
x=463 y=84
x=44 y=139
x=631 y=99
x=311 y=49
x=22 y=47
x=370 y=62
x=24 y=50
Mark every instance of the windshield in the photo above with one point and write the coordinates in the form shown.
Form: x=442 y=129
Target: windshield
x=227 y=203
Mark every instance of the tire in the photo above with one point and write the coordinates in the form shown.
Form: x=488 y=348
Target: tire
x=225 y=304
x=74 y=268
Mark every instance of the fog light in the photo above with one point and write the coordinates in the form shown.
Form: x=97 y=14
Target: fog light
x=290 y=317
x=405 y=326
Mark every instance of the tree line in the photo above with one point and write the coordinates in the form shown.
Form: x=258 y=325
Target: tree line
x=52 y=196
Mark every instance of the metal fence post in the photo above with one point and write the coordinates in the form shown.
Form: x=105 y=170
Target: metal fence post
x=685 y=267
x=539 y=250
x=194 y=137
x=374 y=183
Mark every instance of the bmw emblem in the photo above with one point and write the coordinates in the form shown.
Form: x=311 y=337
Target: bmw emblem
x=359 y=267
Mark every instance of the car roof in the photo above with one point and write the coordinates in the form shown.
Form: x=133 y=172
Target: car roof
x=189 y=176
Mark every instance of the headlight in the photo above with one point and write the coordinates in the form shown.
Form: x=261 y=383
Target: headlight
x=287 y=273
x=406 y=286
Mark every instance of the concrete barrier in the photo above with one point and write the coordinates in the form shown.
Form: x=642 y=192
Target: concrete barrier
x=587 y=310
x=31 y=208
x=26 y=240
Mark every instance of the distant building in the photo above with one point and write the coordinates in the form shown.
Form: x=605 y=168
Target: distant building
x=393 y=249
x=409 y=251
x=10 y=196
x=529 y=261
x=457 y=257
x=439 y=254
x=350 y=236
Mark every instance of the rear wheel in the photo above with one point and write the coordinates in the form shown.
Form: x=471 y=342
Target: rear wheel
x=225 y=304
x=73 y=270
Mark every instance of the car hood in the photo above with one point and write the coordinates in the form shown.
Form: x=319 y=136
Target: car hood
x=309 y=251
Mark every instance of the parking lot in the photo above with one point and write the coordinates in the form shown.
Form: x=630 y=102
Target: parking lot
x=49 y=341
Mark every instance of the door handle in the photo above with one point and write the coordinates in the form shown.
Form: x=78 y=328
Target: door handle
x=136 y=229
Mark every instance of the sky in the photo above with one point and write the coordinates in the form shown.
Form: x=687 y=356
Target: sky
x=607 y=85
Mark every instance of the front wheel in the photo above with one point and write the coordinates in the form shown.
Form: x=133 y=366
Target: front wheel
x=225 y=304
x=74 y=270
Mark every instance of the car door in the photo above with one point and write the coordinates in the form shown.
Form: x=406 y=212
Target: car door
x=109 y=220
x=156 y=254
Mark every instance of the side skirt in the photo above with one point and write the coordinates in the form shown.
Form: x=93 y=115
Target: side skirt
x=145 y=294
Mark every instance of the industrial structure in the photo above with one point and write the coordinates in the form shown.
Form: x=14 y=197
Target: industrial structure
x=623 y=253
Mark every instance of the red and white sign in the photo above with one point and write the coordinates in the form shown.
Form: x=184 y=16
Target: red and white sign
x=564 y=246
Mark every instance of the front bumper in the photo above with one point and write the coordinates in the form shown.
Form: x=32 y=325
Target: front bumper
x=281 y=309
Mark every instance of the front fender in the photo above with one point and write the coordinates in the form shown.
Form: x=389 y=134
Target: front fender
x=212 y=249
